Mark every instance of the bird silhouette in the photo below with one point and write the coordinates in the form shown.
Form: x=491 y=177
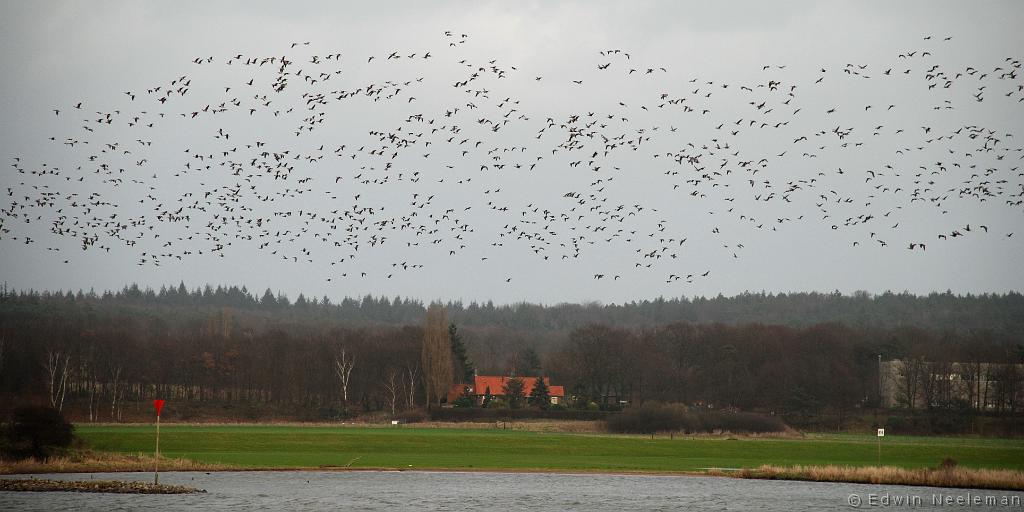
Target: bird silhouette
x=201 y=184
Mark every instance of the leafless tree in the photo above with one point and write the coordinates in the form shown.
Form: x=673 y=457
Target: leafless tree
x=57 y=364
x=412 y=371
x=392 y=387
x=94 y=396
x=343 y=368
x=970 y=382
x=116 y=392
x=909 y=381
x=86 y=380
x=930 y=385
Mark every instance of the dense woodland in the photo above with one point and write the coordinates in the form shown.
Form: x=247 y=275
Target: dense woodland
x=797 y=355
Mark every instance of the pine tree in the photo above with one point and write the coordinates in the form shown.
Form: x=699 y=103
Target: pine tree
x=464 y=369
x=540 y=395
x=514 y=392
x=268 y=300
x=529 y=362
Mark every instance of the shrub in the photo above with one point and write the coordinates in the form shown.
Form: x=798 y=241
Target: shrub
x=464 y=402
x=412 y=416
x=335 y=413
x=497 y=403
x=38 y=432
x=896 y=422
x=740 y=422
x=649 y=418
x=653 y=417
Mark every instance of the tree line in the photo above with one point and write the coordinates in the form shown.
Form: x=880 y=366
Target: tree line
x=95 y=353
x=1002 y=314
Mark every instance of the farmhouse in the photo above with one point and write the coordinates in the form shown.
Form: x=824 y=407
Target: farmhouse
x=483 y=385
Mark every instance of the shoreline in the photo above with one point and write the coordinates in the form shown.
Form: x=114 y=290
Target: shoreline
x=92 y=486
x=949 y=477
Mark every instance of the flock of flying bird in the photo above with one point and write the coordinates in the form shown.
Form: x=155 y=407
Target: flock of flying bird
x=302 y=156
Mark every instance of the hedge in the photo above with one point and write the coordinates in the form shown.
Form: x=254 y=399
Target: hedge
x=653 y=417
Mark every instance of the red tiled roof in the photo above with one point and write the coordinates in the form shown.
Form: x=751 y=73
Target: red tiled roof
x=497 y=385
x=482 y=383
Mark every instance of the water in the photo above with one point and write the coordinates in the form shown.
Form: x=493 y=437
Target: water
x=408 y=490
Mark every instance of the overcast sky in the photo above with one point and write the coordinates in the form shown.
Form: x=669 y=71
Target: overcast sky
x=699 y=173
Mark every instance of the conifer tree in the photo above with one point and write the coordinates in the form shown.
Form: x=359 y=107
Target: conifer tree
x=540 y=395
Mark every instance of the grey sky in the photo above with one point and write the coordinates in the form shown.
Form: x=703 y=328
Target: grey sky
x=58 y=54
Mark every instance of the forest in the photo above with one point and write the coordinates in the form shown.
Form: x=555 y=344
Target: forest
x=96 y=356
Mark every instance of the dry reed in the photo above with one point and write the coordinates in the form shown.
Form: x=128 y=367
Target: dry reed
x=97 y=462
x=943 y=476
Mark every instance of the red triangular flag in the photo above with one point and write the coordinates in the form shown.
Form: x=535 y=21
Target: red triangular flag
x=158 y=404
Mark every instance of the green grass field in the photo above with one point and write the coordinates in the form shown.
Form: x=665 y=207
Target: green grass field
x=432 y=448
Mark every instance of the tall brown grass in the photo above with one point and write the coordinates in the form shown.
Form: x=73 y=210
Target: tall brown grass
x=943 y=476
x=98 y=462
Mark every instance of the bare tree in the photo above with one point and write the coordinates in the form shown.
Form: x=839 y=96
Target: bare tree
x=3 y=344
x=116 y=392
x=436 y=355
x=94 y=396
x=57 y=363
x=930 y=384
x=89 y=377
x=86 y=380
x=392 y=385
x=909 y=380
x=412 y=371
x=946 y=379
x=970 y=383
x=343 y=368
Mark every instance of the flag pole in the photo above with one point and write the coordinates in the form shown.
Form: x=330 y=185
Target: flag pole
x=157 y=404
x=156 y=474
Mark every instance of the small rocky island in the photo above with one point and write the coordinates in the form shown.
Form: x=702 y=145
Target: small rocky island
x=110 y=486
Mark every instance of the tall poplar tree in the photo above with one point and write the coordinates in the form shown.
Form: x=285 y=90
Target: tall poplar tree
x=436 y=355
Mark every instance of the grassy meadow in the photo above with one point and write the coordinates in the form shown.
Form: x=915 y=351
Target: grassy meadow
x=409 y=447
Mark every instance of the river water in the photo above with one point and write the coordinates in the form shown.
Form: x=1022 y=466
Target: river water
x=414 y=490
